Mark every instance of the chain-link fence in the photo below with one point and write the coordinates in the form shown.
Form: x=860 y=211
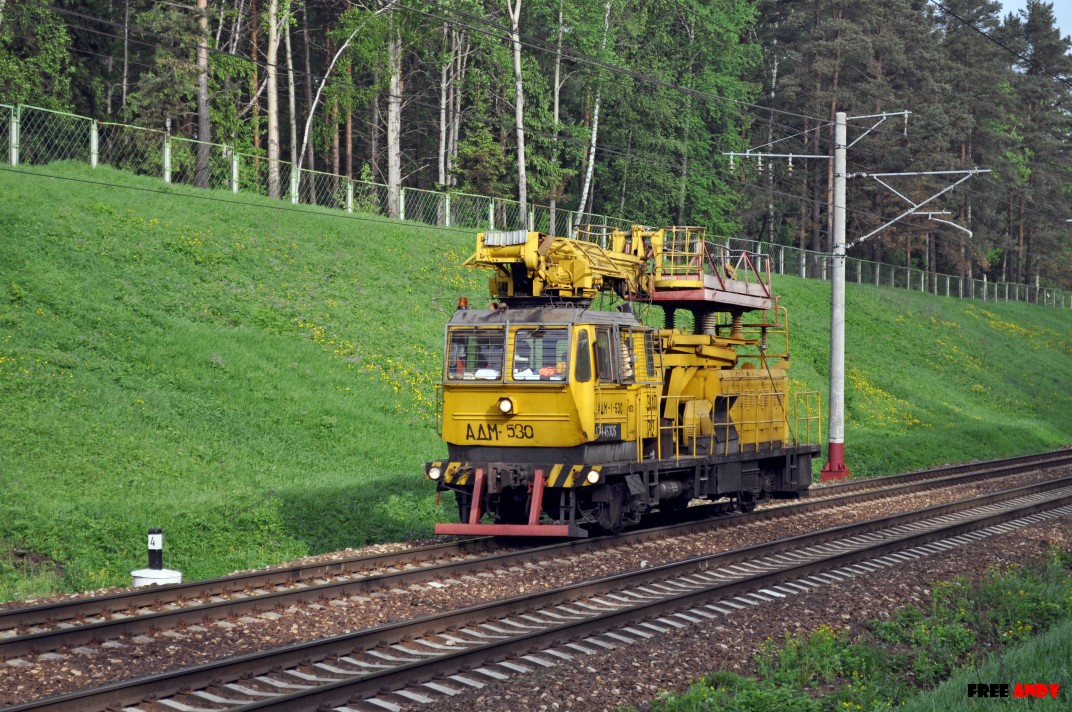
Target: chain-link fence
x=35 y=136
x=253 y=175
x=369 y=198
x=47 y=136
x=200 y=164
x=469 y=211
x=424 y=206
x=131 y=148
x=324 y=189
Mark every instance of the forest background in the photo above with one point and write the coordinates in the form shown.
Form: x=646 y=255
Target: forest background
x=615 y=106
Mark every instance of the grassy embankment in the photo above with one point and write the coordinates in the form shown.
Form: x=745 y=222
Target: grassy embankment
x=259 y=382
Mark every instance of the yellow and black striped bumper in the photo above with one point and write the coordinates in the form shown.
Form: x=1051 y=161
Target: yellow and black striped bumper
x=460 y=474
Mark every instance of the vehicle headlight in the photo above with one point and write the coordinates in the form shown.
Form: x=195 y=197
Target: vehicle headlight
x=506 y=406
x=434 y=472
x=592 y=477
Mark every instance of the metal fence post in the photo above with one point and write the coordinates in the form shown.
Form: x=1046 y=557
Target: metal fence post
x=532 y=220
x=402 y=204
x=781 y=260
x=234 y=170
x=859 y=271
x=491 y=214
x=167 y=158
x=93 y=143
x=446 y=214
x=295 y=181
x=349 y=195
x=13 y=135
x=803 y=265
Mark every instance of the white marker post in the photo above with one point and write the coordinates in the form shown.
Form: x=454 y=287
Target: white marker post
x=156 y=573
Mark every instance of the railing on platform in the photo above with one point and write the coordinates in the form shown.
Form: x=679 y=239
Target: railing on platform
x=807 y=417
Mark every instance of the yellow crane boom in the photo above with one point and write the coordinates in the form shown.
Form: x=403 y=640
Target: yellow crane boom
x=676 y=266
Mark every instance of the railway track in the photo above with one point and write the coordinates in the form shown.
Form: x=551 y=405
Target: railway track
x=77 y=622
x=444 y=654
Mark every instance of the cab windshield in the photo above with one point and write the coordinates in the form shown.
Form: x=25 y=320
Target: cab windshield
x=540 y=354
x=475 y=354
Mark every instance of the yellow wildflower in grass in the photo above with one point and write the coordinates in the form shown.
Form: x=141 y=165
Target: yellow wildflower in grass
x=878 y=407
x=952 y=355
x=413 y=384
x=1034 y=336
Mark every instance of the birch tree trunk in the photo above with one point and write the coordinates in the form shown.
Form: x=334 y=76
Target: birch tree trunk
x=461 y=62
x=204 y=124
x=394 y=125
x=109 y=63
x=291 y=98
x=519 y=111
x=308 y=90
x=336 y=149
x=236 y=28
x=323 y=81
x=374 y=119
x=219 y=27
x=444 y=90
x=556 y=115
x=273 y=99
x=126 y=52
x=591 y=159
x=253 y=27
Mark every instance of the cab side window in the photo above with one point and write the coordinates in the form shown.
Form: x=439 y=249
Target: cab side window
x=605 y=355
x=649 y=352
x=583 y=372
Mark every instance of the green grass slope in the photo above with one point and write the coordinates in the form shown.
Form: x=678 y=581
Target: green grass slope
x=260 y=381
x=930 y=380
x=1045 y=659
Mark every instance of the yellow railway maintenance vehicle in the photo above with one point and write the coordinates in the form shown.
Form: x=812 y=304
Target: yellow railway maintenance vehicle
x=560 y=418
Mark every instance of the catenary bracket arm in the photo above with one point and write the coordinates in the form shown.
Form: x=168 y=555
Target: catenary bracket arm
x=915 y=206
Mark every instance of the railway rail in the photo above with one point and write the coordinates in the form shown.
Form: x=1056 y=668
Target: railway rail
x=77 y=622
x=447 y=653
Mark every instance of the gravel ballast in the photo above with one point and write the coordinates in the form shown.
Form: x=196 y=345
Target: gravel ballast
x=93 y=665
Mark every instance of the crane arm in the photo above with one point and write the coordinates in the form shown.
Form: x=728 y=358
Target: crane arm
x=672 y=265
